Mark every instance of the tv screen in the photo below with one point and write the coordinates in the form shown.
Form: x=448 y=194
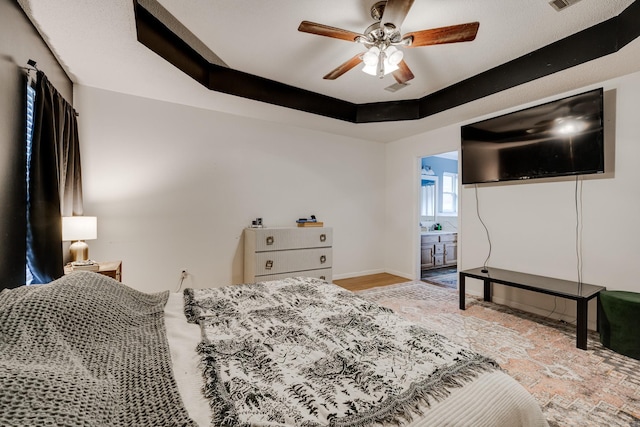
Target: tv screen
x=559 y=138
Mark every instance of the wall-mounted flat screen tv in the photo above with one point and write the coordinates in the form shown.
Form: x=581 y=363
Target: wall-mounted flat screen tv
x=559 y=138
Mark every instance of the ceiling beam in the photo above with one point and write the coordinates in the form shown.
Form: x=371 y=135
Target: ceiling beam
x=594 y=42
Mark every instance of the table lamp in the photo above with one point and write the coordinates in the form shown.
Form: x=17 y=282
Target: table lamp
x=77 y=229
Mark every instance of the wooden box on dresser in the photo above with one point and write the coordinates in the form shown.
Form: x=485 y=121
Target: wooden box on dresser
x=276 y=253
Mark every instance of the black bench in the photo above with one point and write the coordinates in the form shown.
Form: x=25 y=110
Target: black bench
x=579 y=292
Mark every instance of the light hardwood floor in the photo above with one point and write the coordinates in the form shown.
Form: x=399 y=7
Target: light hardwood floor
x=370 y=281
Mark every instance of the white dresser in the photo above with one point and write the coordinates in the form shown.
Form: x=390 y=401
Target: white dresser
x=276 y=253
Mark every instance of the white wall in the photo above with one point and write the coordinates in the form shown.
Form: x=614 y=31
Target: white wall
x=532 y=225
x=174 y=186
x=402 y=230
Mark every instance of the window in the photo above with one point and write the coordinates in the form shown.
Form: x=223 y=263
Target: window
x=31 y=99
x=450 y=193
x=427 y=199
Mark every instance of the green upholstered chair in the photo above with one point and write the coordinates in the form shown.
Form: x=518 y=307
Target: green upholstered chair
x=618 y=319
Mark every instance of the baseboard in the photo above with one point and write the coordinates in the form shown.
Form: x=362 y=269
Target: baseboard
x=358 y=274
x=400 y=274
x=591 y=324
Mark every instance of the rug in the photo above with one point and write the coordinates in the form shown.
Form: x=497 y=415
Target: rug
x=594 y=387
x=447 y=280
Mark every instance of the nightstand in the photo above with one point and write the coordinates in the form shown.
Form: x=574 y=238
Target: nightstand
x=112 y=269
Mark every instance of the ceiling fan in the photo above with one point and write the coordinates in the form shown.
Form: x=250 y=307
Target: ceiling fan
x=383 y=37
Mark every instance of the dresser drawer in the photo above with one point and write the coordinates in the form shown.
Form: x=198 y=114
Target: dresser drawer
x=453 y=237
x=429 y=238
x=324 y=274
x=292 y=261
x=278 y=239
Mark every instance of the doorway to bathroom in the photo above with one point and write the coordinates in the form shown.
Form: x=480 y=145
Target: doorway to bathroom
x=438 y=211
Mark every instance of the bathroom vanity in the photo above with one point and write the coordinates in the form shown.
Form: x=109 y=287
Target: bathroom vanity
x=438 y=249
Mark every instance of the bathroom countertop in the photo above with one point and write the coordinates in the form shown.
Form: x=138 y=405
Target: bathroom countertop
x=425 y=233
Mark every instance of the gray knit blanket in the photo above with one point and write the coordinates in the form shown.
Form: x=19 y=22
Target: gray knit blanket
x=302 y=352
x=85 y=350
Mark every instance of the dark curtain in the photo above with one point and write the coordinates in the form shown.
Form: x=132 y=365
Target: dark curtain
x=55 y=187
x=13 y=187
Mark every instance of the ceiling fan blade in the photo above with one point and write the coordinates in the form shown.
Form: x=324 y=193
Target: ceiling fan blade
x=395 y=12
x=403 y=74
x=327 y=31
x=442 y=35
x=343 y=68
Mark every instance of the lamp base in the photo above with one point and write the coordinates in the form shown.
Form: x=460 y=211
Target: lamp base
x=79 y=251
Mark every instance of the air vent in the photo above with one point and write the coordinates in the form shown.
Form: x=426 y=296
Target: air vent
x=396 y=87
x=562 y=4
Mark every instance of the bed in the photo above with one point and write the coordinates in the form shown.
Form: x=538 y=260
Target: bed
x=88 y=350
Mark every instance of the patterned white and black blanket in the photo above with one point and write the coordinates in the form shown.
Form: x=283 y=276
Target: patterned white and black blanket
x=302 y=352
x=85 y=350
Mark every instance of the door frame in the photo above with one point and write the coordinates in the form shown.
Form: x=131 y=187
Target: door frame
x=417 y=216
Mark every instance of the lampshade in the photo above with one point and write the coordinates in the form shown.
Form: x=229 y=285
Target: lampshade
x=79 y=228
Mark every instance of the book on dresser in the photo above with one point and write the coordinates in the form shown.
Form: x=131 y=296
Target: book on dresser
x=279 y=252
x=311 y=224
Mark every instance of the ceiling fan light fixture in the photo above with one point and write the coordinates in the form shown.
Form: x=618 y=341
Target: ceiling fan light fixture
x=394 y=55
x=380 y=63
x=389 y=67
x=371 y=56
x=372 y=70
x=384 y=36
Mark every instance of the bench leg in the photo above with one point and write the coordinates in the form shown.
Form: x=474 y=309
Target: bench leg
x=581 y=327
x=599 y=312
x=487 y=290
x=461 y=290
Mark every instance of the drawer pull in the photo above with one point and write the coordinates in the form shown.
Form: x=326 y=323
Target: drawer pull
x=323 y=237
x=268 y=265
x=323 y=259
x=323 y=278
x=270 y=240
